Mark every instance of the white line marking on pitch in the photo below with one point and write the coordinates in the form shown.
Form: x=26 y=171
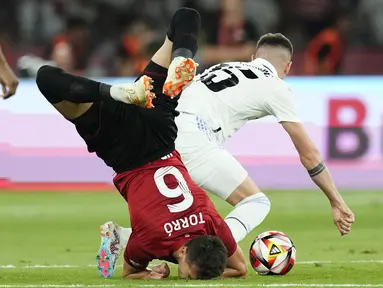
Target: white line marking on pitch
x=190 y=285
x=10 y=266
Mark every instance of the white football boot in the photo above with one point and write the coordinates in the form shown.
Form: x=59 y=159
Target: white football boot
x=138 y=93
x=181 y=72
x=110 y=249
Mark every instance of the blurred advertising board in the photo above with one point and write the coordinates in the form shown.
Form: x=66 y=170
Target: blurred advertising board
x=343 y=115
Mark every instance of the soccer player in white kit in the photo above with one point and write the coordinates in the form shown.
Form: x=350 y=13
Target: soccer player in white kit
x=218 y=103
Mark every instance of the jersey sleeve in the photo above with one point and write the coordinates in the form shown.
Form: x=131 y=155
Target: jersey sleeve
x=282 y=105
x=135 y=255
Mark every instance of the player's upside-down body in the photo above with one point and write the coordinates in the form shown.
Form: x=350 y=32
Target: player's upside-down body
x=138 y=143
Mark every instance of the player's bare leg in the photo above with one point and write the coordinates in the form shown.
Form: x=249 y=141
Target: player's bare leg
x=251 y=207
x=178 y=50
x=113 y=241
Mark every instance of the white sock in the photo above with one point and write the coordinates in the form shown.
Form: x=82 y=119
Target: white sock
x=247 y=215
x=124 y=236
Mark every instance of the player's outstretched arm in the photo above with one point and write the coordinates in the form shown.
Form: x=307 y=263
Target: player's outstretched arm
x=236 y=265
x=312 y=161
x=8 y=79
x=158 y=272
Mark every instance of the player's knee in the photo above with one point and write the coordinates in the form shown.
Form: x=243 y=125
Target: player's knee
x=245 y=190
x=45 y=83
x=256 y=199
x=254 y=204
x=42 y=74
x=262 y=198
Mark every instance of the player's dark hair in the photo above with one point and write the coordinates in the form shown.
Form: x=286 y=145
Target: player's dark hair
x=208 y=255
x=276 y=40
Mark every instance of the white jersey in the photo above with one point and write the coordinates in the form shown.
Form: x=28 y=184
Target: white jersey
x=228 y=95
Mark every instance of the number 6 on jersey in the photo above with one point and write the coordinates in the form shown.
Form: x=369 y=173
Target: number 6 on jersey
x=181 y=190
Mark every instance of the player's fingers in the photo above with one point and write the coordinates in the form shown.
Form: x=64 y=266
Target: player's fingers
x=13 y=88
x=4 y=88
x=345 y=228
x=345 y=222
x=351 y=218
x=11 y=91
x=340 y=229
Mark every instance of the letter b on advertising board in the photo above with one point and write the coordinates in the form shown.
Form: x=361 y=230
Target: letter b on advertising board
x=347 y=138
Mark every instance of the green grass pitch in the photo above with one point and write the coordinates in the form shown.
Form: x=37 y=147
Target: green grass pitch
x=50 y=240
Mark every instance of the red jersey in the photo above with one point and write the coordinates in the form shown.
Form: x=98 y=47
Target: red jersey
x=167 y=209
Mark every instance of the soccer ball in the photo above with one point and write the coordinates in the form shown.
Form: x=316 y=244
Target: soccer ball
x=272 y=253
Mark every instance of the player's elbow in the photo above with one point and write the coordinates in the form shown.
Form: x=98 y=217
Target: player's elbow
x=310 y=158
x=242 y=270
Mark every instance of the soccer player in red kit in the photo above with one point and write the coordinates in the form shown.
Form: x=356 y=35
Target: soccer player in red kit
x=116 y=124
x=172 y=219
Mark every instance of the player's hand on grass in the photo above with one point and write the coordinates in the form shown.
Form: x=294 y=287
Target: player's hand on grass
x=162 y=271
x=8 y=81
x=343 y=218
x=156 y=276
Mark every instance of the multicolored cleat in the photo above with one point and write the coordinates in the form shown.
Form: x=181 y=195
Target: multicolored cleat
x=110 y=249
x=181 y=71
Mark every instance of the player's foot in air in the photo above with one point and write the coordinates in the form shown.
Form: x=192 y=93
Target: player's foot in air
x=110 y=249
x=181 y=71
x=138 y=93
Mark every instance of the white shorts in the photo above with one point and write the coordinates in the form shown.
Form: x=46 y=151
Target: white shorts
x=211 y=167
